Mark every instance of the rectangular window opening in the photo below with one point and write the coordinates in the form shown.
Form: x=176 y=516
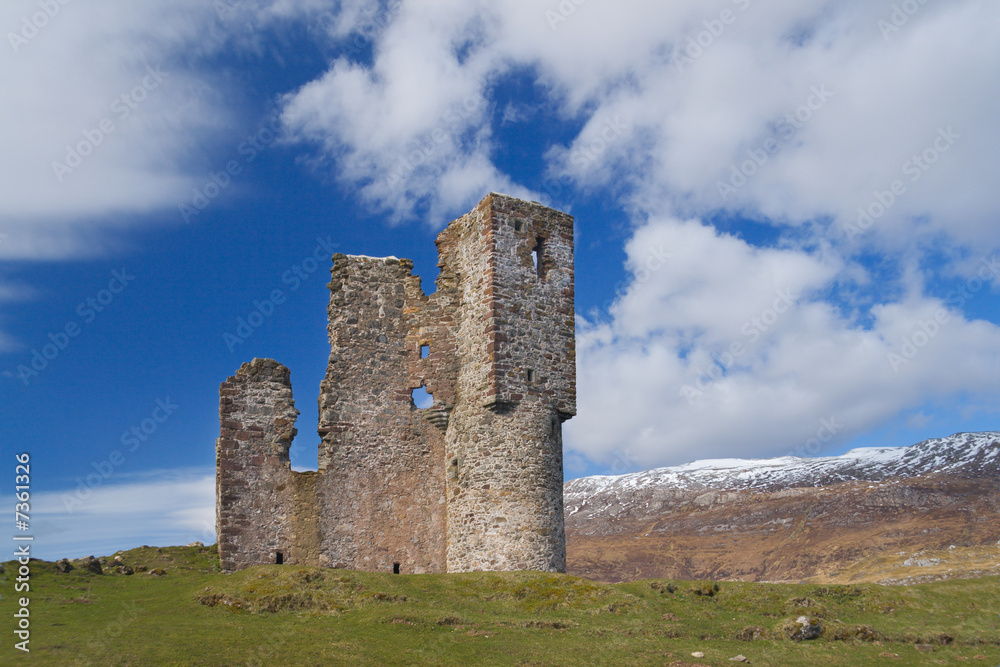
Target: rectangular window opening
x=395 y=568
x=538 y=257
x=531 y=375
x=422 y=399
x=279 y=558
x=425 y=350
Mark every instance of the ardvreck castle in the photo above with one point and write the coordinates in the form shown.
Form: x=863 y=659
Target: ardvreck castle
x=473 y=482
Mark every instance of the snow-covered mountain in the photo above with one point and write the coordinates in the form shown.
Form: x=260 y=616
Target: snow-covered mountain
x=788 y=518
x=969 y=454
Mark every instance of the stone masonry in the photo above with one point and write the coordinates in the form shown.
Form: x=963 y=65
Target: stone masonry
x=473 y=482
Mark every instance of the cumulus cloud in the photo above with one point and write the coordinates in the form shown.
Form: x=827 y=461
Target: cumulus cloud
x=834 y=100
x=101 y=119
x=718 y=348
x=107 y=110
x=160 y=508
x=856 y=130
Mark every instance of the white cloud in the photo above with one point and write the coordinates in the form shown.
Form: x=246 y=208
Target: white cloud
x=160 y=508
x=724 y=349
x=828 y=106
x=105 y=81
x=836 y=104
x=882 y=101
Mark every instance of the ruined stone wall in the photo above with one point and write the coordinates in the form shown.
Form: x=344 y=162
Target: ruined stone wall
x=473 y=482
x=255 y=489
x=531 y=300
x=381 y=488
x=516 y=383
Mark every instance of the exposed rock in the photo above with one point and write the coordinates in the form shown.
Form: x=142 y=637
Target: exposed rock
x=92 y=564
x=922 y=562
x=64 y=565
x=803 y=628
x=750 y=634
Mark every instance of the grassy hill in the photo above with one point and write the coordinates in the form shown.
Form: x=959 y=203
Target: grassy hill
x=178 y=609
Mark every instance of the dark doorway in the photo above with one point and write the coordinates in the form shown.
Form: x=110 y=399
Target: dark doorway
x=279 y=559
x=395 y=568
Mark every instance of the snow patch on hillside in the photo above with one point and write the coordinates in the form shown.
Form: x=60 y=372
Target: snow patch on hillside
x=972 y=454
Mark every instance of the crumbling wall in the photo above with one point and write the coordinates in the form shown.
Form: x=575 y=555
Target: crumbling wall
x=473 y=482
x=381 y=489
x=255 y=488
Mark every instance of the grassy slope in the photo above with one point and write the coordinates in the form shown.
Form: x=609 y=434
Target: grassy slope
x=931 y=565
x=286 y=615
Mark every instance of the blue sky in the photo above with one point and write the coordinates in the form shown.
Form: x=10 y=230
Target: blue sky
x=786 y=220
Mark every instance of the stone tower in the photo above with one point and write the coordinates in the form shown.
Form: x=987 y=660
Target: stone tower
x=473 y=482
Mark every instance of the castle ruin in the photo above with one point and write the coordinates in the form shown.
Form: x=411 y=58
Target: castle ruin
x=473 y=482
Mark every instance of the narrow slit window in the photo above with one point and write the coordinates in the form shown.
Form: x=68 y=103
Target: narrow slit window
x=538 y=257
x=279 y=558
x=422 y=398
x=531 y=375
x=425 y=350
x=395 y=568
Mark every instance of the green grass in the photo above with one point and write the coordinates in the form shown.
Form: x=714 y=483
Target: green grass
x=288 y=615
